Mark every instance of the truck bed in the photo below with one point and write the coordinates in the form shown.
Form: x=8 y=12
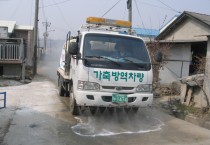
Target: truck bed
x=62 y=73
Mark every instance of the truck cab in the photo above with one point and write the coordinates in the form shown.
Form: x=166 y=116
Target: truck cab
x=108 y=68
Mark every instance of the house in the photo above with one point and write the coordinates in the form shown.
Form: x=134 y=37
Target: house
x=186 y=36
x=16 y=49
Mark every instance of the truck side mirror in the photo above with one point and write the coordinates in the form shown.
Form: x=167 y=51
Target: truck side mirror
x=158 y=56
x=73 y=48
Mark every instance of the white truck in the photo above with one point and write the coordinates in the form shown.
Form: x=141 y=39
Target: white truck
x=105 y=67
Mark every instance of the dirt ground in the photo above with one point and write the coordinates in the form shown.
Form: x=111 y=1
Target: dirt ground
x=9 y=82
x=171 y=105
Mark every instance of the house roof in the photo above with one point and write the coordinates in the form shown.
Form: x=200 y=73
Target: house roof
x=202 y=17
x=169 y=22
x=23 y=27
x=9 y=24
x=12 y=26
x=205 y=19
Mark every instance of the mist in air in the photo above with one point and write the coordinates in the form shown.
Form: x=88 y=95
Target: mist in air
x=106 y=124
x=49 y=62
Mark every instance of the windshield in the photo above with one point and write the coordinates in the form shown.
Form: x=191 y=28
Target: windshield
x=107 y=50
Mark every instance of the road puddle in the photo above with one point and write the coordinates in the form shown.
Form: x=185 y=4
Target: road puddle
x=114 y=124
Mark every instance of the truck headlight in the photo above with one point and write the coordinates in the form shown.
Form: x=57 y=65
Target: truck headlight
x=144 y=88
x=83 y=85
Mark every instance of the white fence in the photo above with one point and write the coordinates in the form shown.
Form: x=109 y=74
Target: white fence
x=11 y=50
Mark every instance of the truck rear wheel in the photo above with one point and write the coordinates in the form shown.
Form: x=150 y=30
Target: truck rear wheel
x=74 y=108
x=60 y=87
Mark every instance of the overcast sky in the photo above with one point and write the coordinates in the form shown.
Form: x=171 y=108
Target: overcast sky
x=69 y=15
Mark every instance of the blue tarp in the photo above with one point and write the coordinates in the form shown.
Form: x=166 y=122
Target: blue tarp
x=146 y=32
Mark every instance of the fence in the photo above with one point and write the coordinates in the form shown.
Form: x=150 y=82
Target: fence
x=11 y=50
x=4 y=99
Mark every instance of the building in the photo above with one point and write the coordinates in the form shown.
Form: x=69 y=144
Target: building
x=186 y=36
x=16 y=49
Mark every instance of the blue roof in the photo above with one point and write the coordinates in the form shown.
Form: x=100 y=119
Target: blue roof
x=146 y=32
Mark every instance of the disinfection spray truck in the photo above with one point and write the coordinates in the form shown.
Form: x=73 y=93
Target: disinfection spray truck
x=105 y=67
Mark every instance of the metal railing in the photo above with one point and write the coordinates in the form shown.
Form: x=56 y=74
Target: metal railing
x=5 y=100
x=11 y=50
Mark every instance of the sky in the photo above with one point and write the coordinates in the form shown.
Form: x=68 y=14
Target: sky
x=69 y=15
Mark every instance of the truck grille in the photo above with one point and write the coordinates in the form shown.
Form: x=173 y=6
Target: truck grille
x=115 y=88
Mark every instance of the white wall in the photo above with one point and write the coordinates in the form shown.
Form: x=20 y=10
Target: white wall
x=189 y=30
x=178 y=63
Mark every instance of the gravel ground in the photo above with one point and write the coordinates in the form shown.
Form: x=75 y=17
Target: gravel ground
x=10 y=82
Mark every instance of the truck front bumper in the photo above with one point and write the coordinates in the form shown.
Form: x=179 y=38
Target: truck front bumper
x=104 y=99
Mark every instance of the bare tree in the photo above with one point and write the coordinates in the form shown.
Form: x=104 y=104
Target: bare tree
x=155 y=47
x=199 y=65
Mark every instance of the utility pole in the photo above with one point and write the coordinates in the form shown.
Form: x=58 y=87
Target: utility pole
x=35 y=36
x=129 y=7
x=46 y=24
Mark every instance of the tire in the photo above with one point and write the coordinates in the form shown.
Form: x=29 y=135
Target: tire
x=60 y=87
x=74 y=108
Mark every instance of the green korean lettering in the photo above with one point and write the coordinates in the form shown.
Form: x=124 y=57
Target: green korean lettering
x=106 y=75
x=115 y=75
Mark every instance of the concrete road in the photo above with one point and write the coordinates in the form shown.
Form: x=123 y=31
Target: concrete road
x=36 y=115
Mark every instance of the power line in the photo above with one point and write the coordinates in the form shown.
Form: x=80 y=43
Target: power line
x=16 y=9
x=55 y=4
x=139 y=14
x=123 y=17
x=104 y=5
x=164 y=21
x=110 y=8
x=65 y=21
x=149 y=4
x=43 y=11
x=166 y=8
x=169 y=7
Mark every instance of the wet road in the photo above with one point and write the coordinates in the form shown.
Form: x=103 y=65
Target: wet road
x=36 y=115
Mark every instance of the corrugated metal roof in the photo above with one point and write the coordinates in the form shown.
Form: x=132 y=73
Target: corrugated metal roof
x=146 y=32
x=202 y=17
x=169 y=22
x=9 y=24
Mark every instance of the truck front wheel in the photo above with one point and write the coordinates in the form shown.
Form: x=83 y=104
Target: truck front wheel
x=74 y=108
